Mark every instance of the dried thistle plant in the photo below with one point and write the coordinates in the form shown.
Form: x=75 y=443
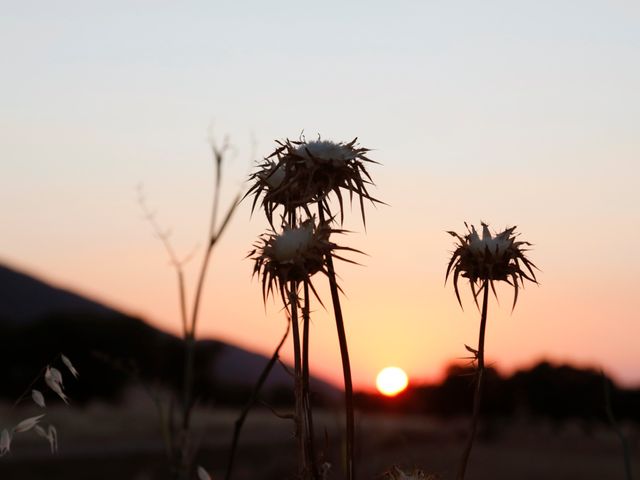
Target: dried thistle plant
x=483 y=261
x=296 y=178
x=285 y=260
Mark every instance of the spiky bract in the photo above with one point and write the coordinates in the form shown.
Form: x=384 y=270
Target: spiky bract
x=497 y=257
x=300 y=173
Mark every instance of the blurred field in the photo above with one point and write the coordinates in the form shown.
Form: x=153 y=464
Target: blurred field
x=106 y=442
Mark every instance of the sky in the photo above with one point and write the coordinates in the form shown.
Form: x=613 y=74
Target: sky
x=512 y=113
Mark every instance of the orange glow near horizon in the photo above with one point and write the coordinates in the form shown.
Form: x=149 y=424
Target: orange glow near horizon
x=542 y=136
x=391 y=381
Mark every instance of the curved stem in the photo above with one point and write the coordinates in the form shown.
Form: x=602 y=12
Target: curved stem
x=252 y=400
x=480 y=380
x=344 y=353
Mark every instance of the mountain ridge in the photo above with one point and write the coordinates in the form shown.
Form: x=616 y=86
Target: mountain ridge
x=19 y=288
x=36 y=313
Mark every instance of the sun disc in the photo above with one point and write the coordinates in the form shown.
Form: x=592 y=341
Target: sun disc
x=391 y=381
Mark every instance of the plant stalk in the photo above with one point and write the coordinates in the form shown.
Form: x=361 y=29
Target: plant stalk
x=190 y=343
x=306 y=391
x=346 y=364
x=190 y=340
x=480 y=380
x=298 y=389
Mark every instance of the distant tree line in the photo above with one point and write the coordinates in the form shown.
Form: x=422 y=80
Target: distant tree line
x=556 y=392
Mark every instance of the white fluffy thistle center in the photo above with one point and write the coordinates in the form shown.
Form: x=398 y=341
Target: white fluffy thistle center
x=496 y=245
x=291 y=242
x=327 y=151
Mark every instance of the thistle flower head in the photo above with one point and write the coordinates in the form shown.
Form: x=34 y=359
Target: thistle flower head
x=488 y=258
x=292 y=244
x=299 y=173
x=293 y=255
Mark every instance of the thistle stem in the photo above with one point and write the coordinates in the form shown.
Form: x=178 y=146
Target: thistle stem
x=306 y=392
x=344 y=353
x=298 y=385
x=480 y=380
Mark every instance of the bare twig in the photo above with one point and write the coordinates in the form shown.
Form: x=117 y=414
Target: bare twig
x=176 y=263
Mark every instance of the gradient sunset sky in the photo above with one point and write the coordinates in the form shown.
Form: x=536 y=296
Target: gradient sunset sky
x=514 y=113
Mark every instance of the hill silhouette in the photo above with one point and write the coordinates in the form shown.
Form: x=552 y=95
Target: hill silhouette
x=24 y=298
x=114 y=351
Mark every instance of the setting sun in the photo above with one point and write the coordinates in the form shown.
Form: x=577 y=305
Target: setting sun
x=391 y=381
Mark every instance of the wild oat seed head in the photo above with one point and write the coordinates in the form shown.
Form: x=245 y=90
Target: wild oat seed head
x=38 y=398
x=489 y=258
x=50 y=434
x=300 y=173
x=5 y=442
x=27 y=424
x=295 y=254
x=53 y=379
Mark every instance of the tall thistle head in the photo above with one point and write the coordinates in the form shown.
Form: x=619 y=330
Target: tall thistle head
x=299 y=173
x=490 y=258
x=293 y=255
